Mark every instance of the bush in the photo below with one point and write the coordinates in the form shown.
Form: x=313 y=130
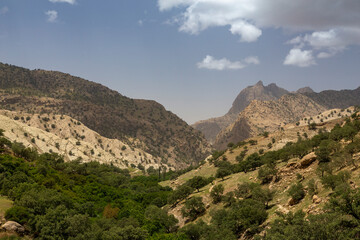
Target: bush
x=312 y=187
x=296 y=192
x=267 y=173
x=18 y=214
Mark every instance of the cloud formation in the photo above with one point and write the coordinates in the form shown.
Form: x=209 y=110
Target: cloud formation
x=300 y=58
x=72 y=2
x=52 y=16
x=211 y=63
x=324 y=27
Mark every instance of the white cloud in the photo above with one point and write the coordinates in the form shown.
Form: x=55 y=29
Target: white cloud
x=325 y=55
x=4 y=10
x=252 y=60
x=52 y=16
x=326 y=26
x=248 y=32
x=299 y=58
x=72 y=2
x=211 y=63
x=140 y=23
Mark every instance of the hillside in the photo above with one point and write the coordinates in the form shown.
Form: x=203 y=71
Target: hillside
x=211 y=127
x=158 y=131
x=70 y=138
x=336 y=99
x=295 y=159
x=267 y=116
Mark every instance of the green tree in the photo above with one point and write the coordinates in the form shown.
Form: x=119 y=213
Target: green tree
x=267 y=173
x=217 y=193
x=160 y=219
x=193 y=208
x=222 y=172
x=197 y=182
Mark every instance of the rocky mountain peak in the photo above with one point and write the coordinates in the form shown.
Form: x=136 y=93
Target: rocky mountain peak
x=256 y=92
x=305 y=90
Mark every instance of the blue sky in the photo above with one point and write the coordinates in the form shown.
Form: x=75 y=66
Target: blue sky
x=192 y=56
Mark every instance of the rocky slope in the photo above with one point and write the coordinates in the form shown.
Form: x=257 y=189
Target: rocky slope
x=72 y=139
x=288 y=172
x=160 y=132
x=267 y=116
x=213 y=126
x=336 y=99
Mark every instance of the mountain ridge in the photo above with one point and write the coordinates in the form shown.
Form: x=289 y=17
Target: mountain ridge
x=213 y=126
x=161 y=133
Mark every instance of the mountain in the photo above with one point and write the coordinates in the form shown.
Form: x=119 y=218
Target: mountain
x=287 y=162
x=267 y=116
x=336 y=99
x=305 y=90
x=256 y=92
x=143 y=124
x=211 y=127
x=70 y=138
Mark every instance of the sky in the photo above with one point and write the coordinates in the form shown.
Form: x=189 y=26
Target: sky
x=192 y=56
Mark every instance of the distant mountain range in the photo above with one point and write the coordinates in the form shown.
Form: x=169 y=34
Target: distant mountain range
x=142 y=124
x=260 y=108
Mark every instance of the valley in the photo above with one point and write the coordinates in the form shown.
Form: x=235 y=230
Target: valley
x=274 y=154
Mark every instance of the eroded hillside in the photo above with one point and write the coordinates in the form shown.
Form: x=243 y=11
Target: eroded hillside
x=68 y=137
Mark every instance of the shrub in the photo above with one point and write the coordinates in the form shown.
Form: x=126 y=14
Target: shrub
x=296 y=192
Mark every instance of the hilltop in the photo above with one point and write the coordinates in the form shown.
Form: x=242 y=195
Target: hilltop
x=154 y=129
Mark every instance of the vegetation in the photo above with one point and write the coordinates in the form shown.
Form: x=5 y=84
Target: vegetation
x=77 y=201
x=58 y=200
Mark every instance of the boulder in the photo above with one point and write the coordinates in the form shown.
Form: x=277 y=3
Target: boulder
x=291 y=165
x=316 y=199
x=307 y=160
x=11 y=226
x=292 y=202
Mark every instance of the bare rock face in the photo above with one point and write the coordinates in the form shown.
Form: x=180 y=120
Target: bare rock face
x=11 y=226
x=261 y=116
x=256 y=92
x=307 y=160
x=211 y=127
